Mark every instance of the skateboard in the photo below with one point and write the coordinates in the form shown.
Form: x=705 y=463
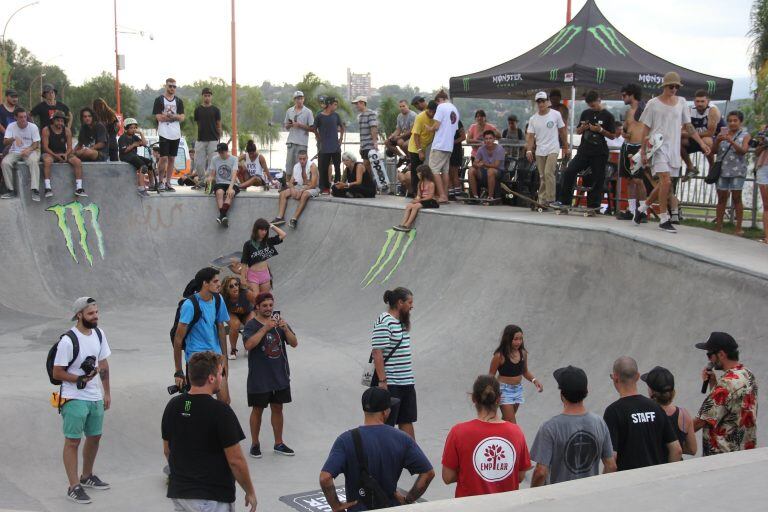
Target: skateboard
x=565 y=210
x=637 y=159
x=379 y=172
x=226 y=260
x=535 y=205
x=480 y=200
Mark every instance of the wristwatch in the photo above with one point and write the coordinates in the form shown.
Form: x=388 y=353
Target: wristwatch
x=179 y=373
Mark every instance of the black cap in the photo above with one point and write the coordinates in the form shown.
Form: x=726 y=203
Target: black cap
x=432 y=105
x=417 y=99
x=718 y=341
x=659 y=379
x=571 y=378
x=11 y=92
x=207 y=90
x=377 y=400
x=222 y=146
x=49 y=88
x=512 y=117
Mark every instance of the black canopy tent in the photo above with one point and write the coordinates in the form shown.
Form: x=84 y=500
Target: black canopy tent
x=588 y=53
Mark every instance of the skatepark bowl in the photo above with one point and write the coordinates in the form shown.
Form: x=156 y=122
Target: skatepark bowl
x=585 y=291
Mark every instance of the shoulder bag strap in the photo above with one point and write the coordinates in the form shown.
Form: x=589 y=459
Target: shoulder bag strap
x=391 y=353
x=358 y=440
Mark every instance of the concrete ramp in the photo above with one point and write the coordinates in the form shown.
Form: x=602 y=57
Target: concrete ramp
x=585 y=291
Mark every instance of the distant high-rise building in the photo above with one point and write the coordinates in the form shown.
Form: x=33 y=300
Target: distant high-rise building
x=358 y=84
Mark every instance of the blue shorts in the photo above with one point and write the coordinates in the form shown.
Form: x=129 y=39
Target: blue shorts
x=735 y=183
x=761 y=175
x=511 y=394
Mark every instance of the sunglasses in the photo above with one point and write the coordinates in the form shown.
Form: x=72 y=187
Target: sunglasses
x=673 y=86
x=710 y=354
x=233 y=286
x=172 y=86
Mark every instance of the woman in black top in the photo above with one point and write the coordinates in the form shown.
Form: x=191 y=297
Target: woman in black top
x=108 y=118
x=357 y=182
x=510 y=360
x=239 y=302
x=661 y=388
x=255 y=271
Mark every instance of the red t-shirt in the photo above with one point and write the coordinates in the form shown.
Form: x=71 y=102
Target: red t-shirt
x=487 y=457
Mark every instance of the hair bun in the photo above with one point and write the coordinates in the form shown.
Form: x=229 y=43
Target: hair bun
x=387 y=296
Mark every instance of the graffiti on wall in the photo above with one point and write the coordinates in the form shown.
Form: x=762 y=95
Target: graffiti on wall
x=77 y=213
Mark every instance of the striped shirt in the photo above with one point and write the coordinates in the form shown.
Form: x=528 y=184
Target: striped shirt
x=387 y=331
x=366 y=120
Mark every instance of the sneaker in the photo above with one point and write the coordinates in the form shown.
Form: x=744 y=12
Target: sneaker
x=80 y=193
x=161 y=188
x=255 y=451
x=225 y=221
x=325 y=191
x=674 y=218
x=153 y=188
x=556 y=204
x=638 y=216
x=94 y=482
x=142 y=192
x=78 y=495
x=292 y=223
x=48 y=192
x=232 y=356
x=278 y=221
x=8 y=195
x=626 y=215
x=218 y=219
x=35 y=195
x=690 y=173
x=169 y=188
x=668 y=227
x=282 y=449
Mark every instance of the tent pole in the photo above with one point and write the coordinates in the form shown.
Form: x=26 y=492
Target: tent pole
x=572 y=115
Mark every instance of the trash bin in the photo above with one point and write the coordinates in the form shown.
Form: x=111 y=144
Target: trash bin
x=390 y=164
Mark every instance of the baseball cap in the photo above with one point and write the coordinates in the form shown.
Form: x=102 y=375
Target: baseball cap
x=432 y=105
x=11 y=92
x=298 y=94
x=659 y=379
x=80 y=304
x=718 y=341
x=512 y=117
x=377 y=400
x=360 y=98
x=571 y=378
x=417 y=99
x=49 y=88
x=222 y=146
x=59 y=114
x=129 y=121
x=207 y=90
x=541 y=95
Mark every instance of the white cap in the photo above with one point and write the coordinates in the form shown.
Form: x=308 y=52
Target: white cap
x=360 y=98
x=298 y=94
x=80 y=304
x=541 y=95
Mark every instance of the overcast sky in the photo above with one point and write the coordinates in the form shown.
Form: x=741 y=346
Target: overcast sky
x=279 y=40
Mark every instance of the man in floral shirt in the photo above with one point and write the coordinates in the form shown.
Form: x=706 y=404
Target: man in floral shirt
x=729 y=413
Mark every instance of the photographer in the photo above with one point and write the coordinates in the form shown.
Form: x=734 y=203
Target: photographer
x=269 y=376
x=761 y=175
x=732 y=144
x=201 y=440
x=729 y=412
x=84 y=400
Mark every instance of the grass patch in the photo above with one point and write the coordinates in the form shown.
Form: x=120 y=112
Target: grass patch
x=728 y=228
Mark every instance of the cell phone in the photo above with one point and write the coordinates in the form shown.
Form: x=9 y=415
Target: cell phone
x=276 y=316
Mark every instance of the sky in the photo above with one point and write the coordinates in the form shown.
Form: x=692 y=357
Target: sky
x=279 y=42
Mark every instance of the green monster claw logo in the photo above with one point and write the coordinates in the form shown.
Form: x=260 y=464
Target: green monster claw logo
x=600 y=75
x=561 y=40
x=553 y=74
x=387 y=253
x=711 y=86
x=466 y=83
x=606 y=36
x=187 y=405
x=77 y=210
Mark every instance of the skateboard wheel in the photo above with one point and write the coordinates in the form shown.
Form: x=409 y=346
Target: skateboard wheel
x=540 y=210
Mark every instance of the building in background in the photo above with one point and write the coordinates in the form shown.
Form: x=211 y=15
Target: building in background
x=358 y=84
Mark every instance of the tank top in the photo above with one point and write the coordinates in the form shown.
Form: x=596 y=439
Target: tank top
x=253 y=166
x=57 y=142
x=673 y=418
x=700 y=121
x=367 y=183
x=510 y=369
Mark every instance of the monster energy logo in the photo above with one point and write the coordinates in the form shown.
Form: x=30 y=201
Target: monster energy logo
x=77 y=209
x=711 y=86
x=387 y=253
x=553 y=74
x=465 y=83
x=600 y=75
x=187 y=405
x=607 y=37
x=561 y=40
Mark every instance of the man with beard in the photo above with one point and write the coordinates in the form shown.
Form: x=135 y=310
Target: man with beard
x=392 y=357
x=269 y=376
x=633 y=139
x=707 y=121
x=82 y=354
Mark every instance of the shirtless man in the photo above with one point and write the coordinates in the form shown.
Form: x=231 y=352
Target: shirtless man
x=707 y=120
x=667 y=115
x=302 y=186
x=633 y=137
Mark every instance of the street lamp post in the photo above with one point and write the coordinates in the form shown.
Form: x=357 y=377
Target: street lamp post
x=39 y=77
x=234 y=84
x=117 y=68
x=5 y=51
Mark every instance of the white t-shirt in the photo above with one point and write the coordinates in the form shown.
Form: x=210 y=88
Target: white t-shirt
x=89 y=346
x=253 y=167
x=448 y=116
x=172 y=130
x=29 y=135
x=545 y=131
x=668 y=121
x=304 y=116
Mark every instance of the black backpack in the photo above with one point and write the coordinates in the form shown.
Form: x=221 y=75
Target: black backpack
x=195 y=316
x=75 y=352
x=370 y=491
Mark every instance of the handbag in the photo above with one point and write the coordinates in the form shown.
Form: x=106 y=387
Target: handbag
x=370 y=378
x=717 y=168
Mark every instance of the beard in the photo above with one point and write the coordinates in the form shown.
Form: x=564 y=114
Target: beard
x=90 y=325
x=405 y=319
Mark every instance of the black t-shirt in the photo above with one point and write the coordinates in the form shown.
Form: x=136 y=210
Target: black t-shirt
x=44 y=112
x=456 y=135
x=57 y=142
x=90 y=135
x=126 y=140
x=505 y=134
x=206 y=118
x=594 y=143
x=254 y=252
x=268 y=368
x=242 y=306
x=7 y=117
x=639 y=431
x=198 y=428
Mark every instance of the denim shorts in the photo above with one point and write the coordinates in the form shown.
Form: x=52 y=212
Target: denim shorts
x=511 y=394
x=761 y=175
x=734 y=183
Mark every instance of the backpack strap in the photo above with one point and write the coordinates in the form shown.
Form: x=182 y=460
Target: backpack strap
x=75 y=346
x=362 y=462
x=197 y=313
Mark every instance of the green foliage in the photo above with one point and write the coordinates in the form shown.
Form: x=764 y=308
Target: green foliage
x=316 y=89
x=759 y=33
x=388 y=112
x=102 y=86
x=24 y=71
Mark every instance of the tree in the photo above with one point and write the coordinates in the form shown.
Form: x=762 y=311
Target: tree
x=101 y=86
x=759 y=33
x=388 y=112
x=256 y=116
x=26 y=74
x=316 y=90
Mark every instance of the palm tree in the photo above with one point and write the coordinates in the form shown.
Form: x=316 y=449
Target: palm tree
x=759 y=33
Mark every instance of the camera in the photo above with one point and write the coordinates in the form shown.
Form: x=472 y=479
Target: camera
x=758 y=139
x=88 y=365
x=172 y=390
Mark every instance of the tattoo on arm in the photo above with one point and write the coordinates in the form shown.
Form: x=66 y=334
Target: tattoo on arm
x=690 y=130
x=329 y=490
x=104 y=373
x=419 y=488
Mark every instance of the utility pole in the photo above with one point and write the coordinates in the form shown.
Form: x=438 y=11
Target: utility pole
x=234 y=84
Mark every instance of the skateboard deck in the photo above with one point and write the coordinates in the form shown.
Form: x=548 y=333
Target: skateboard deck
x=480 y=200
x=655 y=143
x=534 y=204
x=226 y=260
x=565 y=210
x=379 y=172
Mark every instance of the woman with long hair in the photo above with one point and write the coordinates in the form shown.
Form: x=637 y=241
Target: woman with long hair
x=485 y=455
x=239 y=302
x=510 y=360
x=661 y=388
x=732 y=145
x=257 y=250
x=106 y=116
x=425 y=198
x=357 y=180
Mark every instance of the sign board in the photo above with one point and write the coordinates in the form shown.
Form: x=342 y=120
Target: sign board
x=314 y=501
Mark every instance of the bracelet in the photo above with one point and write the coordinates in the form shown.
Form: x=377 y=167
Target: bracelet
x=529 y=151
x=179 y=373
x=533 y=380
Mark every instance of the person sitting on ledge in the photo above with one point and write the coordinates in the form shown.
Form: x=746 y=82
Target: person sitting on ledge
x=57 y=148
x=92 y=139
x=357 y=181
x=303 y=185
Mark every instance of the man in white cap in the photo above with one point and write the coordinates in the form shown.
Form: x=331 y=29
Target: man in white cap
x=82 y=354
x=546 y=129
x=298 y=122
x=666 y=115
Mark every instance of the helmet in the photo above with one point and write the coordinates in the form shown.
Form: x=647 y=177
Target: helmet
x=129 y=121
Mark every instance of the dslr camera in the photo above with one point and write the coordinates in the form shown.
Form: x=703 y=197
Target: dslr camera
x=758 y=139
x=89 y=367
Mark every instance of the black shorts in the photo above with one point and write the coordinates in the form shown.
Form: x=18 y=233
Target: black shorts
x=364 y=154
x=457 y=156
x=429 y=203
x=262 y=400
x=406 y=412
x=224 y=187
x=169 y=147
x=625 y=159
x=692 y=147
